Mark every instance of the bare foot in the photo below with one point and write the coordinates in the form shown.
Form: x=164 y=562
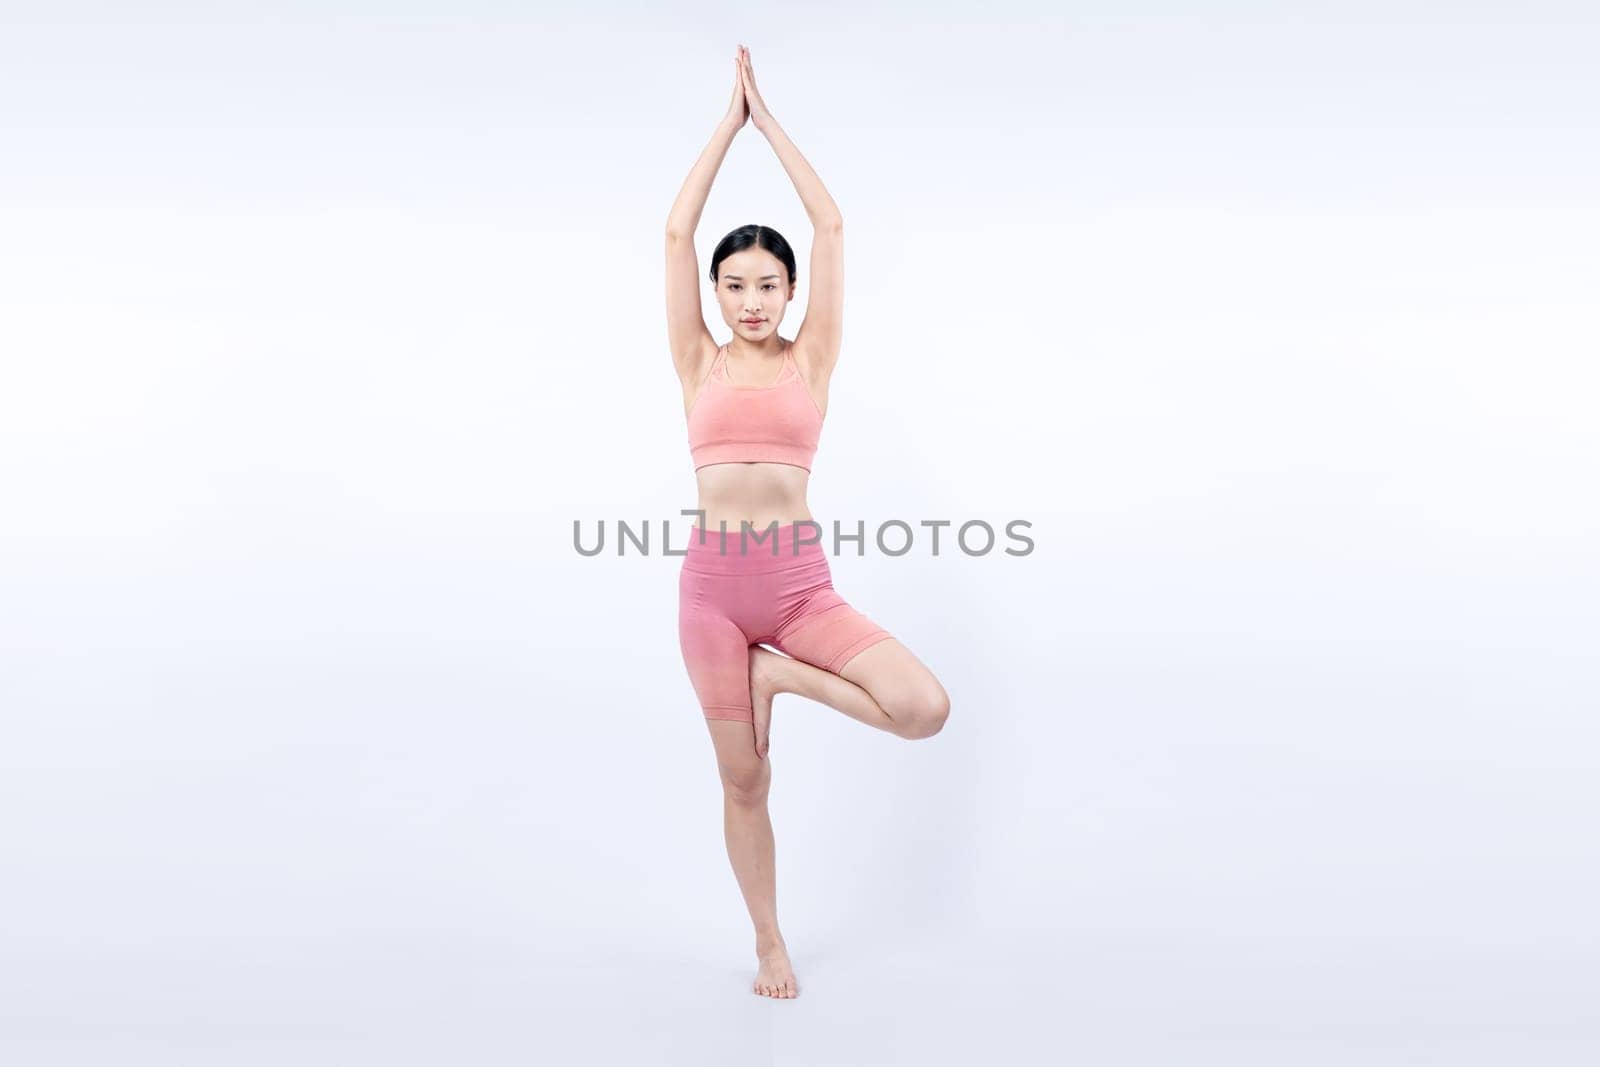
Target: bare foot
x=763 y=686
x=775 y=978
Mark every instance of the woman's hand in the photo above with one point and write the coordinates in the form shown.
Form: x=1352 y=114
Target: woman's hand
x=758 y=107
x=738 y=109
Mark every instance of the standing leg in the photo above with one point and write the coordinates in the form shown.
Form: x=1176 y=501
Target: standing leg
x=747 y=829
x=716 y=653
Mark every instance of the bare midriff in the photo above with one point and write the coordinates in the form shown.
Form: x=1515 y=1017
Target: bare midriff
x=757 y=493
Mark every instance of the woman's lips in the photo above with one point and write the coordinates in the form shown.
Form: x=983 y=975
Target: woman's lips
x=752 y=322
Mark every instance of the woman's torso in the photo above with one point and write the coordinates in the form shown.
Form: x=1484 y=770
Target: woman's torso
x=756 y=492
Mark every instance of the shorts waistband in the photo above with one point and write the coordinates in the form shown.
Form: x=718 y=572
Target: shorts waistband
x=752 y=550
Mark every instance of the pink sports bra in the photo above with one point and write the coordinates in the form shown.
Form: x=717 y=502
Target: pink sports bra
x=777 y=423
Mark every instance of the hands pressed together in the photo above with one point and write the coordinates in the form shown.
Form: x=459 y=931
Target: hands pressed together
x=746 y=104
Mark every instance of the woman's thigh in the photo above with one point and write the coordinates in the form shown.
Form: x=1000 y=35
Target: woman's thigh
x=826 y=631
x=715 y=648
x=830 y=633
x=894 y=677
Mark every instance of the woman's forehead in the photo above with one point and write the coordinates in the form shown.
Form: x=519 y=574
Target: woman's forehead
x=758 y=257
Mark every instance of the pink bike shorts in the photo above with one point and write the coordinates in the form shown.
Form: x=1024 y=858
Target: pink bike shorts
x=730 y=599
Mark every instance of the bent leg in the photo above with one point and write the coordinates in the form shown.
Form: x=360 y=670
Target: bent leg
x=831 y=635
x=903 y=685
x=771 y=674
x=827 y=632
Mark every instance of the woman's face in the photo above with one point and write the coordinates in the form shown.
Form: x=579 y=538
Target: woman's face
x=752 y=285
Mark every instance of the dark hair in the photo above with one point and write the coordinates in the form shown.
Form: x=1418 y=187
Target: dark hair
x=754 y=236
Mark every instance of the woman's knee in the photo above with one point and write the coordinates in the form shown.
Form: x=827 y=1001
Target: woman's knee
x=920 y=713
x=745 y=776
x=747 y=783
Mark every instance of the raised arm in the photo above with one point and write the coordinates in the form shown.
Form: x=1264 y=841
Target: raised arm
x=687 y=335
x=818 y=340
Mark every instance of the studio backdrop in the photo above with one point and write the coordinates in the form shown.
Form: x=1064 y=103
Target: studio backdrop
x=1215 y=415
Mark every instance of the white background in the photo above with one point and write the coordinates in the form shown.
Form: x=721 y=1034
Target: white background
x=320 y=325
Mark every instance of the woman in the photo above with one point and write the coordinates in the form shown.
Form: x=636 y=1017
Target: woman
x=755 y=408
